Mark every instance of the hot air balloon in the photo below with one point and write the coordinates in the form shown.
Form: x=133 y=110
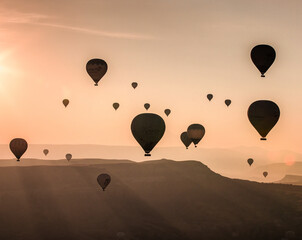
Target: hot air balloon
x=167 y=112
x=263 y=57
x=250 y=161
x=115 y=105
x=134 y=85
x=148 y=129
x=147 y=106
x=196 y=133
x=263 y=115
x=45 y=151
x=104 y=180
x=96 y=68
x=227 y=102
x=18 y=146
x=65 y=102
x=68 y=157
x=265 y=174
x=209 y=97
x=185 y=139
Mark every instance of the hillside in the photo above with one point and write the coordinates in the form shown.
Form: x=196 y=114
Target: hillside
x=149 y=200
x=291 y=179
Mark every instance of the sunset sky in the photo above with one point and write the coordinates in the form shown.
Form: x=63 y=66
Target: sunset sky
x=177 y=51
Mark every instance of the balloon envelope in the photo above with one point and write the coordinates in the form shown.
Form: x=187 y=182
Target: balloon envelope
x=104 y=179
x=265 y=174
x=18 y=146
x=115 y=105
x=263 y=115
x=167 y=112
x=148 y=129
x=134 y=84
x=209 y=97
x=45 y=151
x=65 y=102
x=228 y=102
x=250 y=161
x=96 y=68
x=185 y=139
x=263 y=57
x=196 y=133
x=68 y=156
x=147 y=106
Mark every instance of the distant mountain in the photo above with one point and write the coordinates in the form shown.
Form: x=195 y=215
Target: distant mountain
x=291 y=179
x=151 y=200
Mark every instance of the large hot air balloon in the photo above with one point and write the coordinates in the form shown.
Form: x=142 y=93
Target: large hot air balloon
x=196 y=133
x=146 y=106
x=263 y=115
x=68 y=157
x=185 y=139
x=115 y=105
x=65 y=102
x=96 y=68
x=148 y=129
x=263 y=57
x=18 y=146
x=104 y=179
x=45 y=151
x=250 y=161
x=167 y=112
x=265 y=174
x=209 y=97
x=228 y=102
x=134 y=85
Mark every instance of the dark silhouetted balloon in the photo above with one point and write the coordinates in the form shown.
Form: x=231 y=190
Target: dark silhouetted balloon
x=167 y=112
x=96 y=68
x=196 y=133
x=185 y=139
x=18 y=146
x=263 y=115
x=265 y=174
x=45 y=151
x=65 y=102
x=148 y=129
x=115 y=105
x=147 y=106
x=104 y=180
x=134 y=84
x=68 y=156
x=250 y=161
x=209 y=97
x=263 y=57
x=228 y=102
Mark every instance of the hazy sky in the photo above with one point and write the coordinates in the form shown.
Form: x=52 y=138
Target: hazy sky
x=177 y=51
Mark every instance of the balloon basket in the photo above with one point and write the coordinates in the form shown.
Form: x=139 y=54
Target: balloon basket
x=96 y=84
x=262 y=75
x=147 y=155
x=263 y=139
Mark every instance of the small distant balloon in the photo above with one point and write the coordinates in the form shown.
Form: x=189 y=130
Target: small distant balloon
x=250 y=161
x=115 y=105
x=147 y=106
x=45 y=151
x=65 y=102
x=134 y=85
x=209 y=97
x=228 y=102
x=18 y=146
x=196 y=133
x=185 y=139
x=148 y=129
x=263 y=57
x=68 y=157
x=265 y=174
x=263 y=115
x=96 y=68
x=167 y=112
x=103 y=180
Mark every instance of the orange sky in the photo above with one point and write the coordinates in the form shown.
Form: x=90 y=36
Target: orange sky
x=178 y=52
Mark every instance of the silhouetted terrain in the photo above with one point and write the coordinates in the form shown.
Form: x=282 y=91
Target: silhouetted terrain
x=146 y=201
x=291 y=179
